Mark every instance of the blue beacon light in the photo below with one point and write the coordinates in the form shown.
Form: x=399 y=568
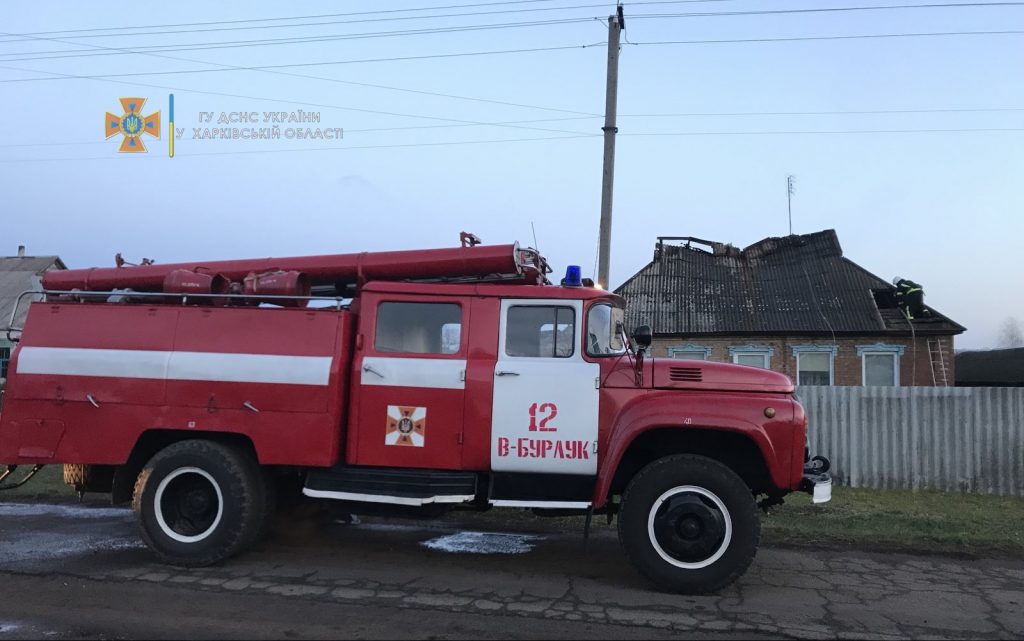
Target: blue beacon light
x=573 y=277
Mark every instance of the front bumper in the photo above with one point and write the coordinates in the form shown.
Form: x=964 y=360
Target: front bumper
x=816 y=480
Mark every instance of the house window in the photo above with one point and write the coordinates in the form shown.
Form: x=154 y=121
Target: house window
x=5 y=357
x=690 y=352
x=880 y=364
x=418 y=328
x=814 y=368
x=815 y=364
x=753 y=355
x=540 y=331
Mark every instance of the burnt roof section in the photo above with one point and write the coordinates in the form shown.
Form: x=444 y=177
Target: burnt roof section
x=799 y=284
x=991 y=368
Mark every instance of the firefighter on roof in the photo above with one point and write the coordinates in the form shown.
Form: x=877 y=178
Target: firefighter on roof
x=910 y=298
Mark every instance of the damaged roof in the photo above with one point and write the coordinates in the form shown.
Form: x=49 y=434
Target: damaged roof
x=798 y=284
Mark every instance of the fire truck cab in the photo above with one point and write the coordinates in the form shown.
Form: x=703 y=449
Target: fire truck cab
x=460 y=380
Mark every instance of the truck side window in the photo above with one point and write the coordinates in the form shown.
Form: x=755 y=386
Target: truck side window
x=604 y=326
x=418 y=328
x=540 y=331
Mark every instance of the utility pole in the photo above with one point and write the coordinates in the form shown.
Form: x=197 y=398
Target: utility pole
x=615 y=25
x=789 y=201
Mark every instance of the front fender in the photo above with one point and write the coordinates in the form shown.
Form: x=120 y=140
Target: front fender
x=727 y=413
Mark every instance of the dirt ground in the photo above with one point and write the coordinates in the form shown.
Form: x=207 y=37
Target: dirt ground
x=81 y=572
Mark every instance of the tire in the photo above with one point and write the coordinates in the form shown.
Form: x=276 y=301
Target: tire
x=200 y=502
x=689 y=524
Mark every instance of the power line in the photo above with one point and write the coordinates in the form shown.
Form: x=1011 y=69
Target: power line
x=320 y=23
x=268 y=42
x=347 y=131
x=836 y=112
x=862 y=36
x=548 y=138
x=765 y=12
x=304 y=103
x=304 y=64
x=337 y=15
x=332 y=22
x=693 y=114
x=273 y=151
x=532 y=50
x=829 y=132
x=74 y=53
x=305 y=17
x=336 y=80
x=535 y=49
x=324 y=23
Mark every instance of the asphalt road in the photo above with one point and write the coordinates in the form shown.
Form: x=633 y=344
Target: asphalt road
x=80 y=572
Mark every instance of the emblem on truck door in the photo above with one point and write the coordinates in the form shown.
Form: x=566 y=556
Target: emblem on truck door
x=406 y=426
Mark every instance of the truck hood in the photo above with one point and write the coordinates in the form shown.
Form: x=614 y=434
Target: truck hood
x=708 y=375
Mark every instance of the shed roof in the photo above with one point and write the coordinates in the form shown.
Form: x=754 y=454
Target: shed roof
x=19 y=274
x=797 y=285
x=994 y=367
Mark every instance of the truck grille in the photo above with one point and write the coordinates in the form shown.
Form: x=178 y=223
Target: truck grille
x=685 y=374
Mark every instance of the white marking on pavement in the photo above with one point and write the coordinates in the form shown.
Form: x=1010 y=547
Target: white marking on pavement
x=67 y=511
x=40 y=547
x=401 y=527
x=483 y=543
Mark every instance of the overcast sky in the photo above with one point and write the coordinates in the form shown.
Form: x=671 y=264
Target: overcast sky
x=940 y=207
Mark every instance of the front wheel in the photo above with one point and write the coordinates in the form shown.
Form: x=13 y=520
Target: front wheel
x=689 y=524
x=199 y=502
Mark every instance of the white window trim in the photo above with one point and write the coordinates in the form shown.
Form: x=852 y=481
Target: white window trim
x=764 y=351
x=880 y=349
x=689 y=347
x=799 y=350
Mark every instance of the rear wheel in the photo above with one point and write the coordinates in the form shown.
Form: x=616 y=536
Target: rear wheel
x=689 y=524
x=200 y=502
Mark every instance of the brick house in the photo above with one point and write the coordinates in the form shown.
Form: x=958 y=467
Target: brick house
x=795 y=305
x=19 y=274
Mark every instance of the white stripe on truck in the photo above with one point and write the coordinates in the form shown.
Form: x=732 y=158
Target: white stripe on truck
x=436 y=373
x=183 y=366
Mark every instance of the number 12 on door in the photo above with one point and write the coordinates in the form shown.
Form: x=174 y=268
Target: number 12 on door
x=541 y=416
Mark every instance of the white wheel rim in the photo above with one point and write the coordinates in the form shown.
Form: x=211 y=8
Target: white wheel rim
x=166 y=529
x=711 y=496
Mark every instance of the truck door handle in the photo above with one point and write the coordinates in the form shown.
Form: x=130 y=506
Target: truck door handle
x=502 y=372
x=369 y=368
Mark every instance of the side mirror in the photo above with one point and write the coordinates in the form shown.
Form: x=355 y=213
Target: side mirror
x=642 y=336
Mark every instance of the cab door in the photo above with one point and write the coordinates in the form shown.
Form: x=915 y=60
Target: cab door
x=409 y=383
x=545 y=409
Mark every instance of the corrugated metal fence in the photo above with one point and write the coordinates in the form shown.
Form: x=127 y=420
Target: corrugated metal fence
x=968 y=439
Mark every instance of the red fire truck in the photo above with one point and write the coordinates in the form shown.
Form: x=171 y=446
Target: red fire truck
x=456 y=378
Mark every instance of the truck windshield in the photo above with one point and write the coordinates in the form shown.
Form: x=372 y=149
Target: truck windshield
x=604 y=337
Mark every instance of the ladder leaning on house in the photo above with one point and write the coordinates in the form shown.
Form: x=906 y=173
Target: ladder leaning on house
x=937 y=356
